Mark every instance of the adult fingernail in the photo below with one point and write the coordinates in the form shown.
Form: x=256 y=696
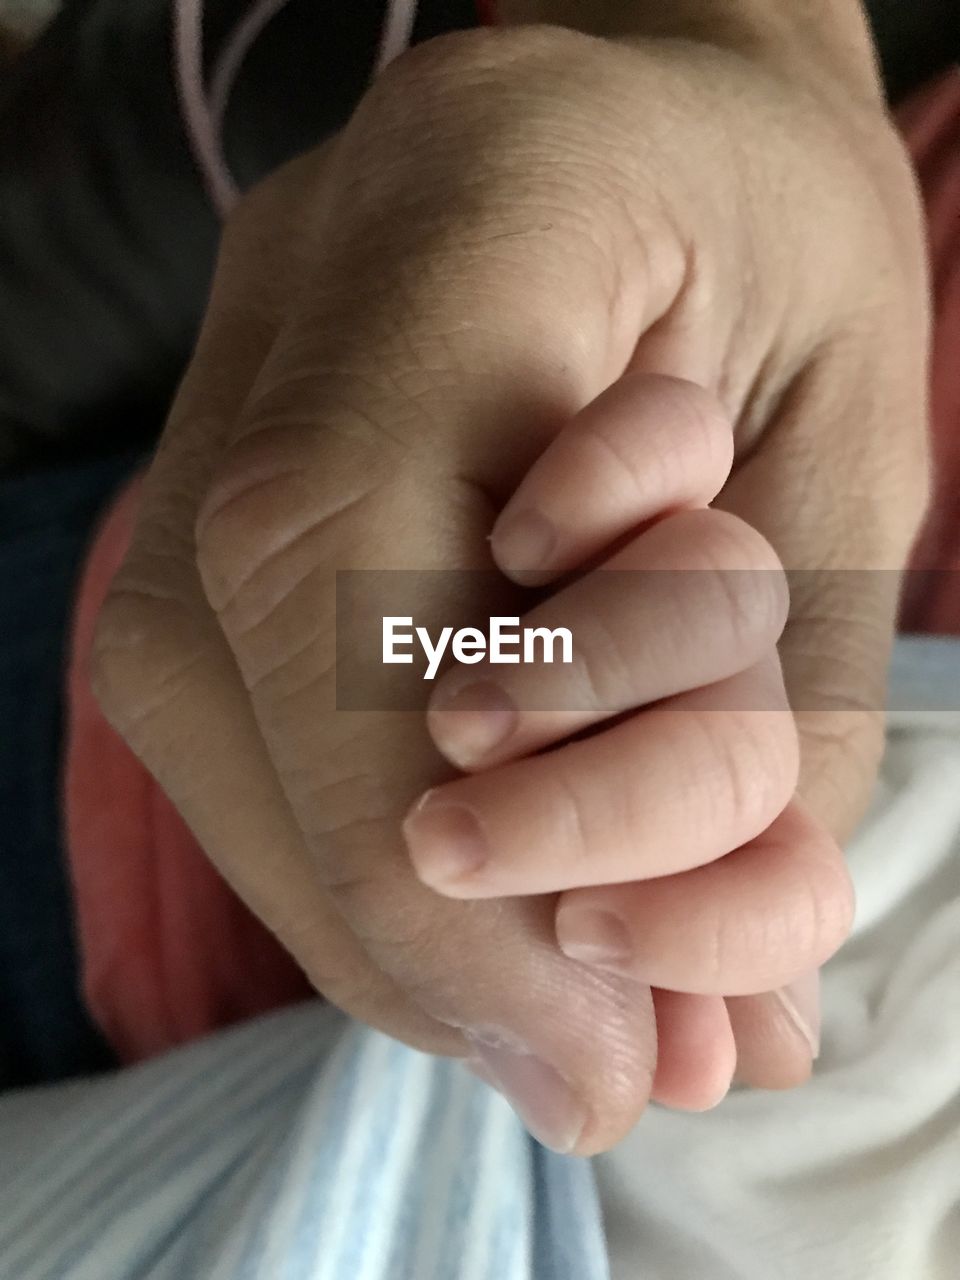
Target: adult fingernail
x=593 y=935
x=800 y=1001
x=467 y=724
x=540 y=1096
x=523 y=544
x=445 y=841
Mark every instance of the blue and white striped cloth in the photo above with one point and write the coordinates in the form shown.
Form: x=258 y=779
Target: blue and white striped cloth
x=301 y=1146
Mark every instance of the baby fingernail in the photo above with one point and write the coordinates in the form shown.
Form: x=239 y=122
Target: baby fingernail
x=468 y=724
x=524 y=543
x=593 y=935
x=801 y=1003
x=540 y=1096
x=445 y=841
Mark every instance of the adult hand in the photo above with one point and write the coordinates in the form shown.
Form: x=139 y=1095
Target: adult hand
x=401 y=322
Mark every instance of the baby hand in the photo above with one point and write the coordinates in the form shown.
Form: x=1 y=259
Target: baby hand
x=692 y=751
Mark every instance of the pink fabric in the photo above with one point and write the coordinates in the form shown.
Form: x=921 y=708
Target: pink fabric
x=931 y=127
x=167 y=951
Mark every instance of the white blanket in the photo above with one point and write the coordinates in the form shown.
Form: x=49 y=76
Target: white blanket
x=857 y=1175
x=304 y=1147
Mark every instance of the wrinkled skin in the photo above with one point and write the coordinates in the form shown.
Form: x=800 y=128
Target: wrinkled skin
x=401 y=322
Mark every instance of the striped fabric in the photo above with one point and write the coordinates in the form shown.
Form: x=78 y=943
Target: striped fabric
x=301 y=1146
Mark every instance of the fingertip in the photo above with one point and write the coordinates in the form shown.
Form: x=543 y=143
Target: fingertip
x=697 y=1052
x=446 y=843
x=773 y=1051
x=468 y=722
x=800 y=1001
x=777 y=1075
x=524 y=544
x=552 y=1111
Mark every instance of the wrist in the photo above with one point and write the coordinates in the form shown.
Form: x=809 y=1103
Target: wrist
x=810 y=39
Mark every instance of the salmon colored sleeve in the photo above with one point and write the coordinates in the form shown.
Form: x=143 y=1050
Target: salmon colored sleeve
x=167 y=950
x=930 y=122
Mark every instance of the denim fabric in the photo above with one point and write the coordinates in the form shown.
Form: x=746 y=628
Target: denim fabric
x=45 y=521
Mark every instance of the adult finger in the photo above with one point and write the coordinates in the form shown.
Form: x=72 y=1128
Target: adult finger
x=165 y=674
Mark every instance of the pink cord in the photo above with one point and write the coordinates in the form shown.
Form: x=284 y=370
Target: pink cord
x=203 y=113
x=241 y=40
x=194 y=107
x=397 y=30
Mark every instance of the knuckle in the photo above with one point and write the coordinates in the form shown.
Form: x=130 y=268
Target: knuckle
x=245 y=518
x=496 y=113
x=604 y=662
x=391 y=918
x=722 y=941
x=623 y=465
x=841 y=754
x=854 y=734
x=755 y=765
x=271 y=502
x=754 y=608
x=142 y=650
x=341 y=968
x=833 y=909
x=254 y=536
x=693 y=442
x=792 y=927
x=238 y=545
x=748 y=579
x=468 y=60
x=727 y=541
x=113 y=675
x=701 y=426
x=813 y=917
x=574 y=819
x=356 y=991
